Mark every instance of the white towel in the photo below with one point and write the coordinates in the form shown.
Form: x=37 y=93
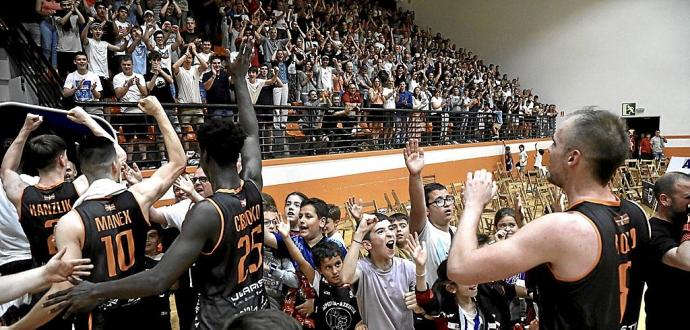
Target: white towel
x=99 y=189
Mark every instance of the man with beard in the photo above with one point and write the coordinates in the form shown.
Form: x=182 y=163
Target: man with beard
x=667 y=261
x=588 y=273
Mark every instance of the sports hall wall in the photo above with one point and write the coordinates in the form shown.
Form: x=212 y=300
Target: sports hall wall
x=579 y=53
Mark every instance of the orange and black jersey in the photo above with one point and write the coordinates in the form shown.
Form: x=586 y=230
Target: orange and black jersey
x=41 y=208
x=228 y=273
x=609 y=296
x=114 y=236
x=115 y=241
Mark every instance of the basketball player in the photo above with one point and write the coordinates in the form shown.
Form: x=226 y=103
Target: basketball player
x=222 y=234
x=41 y=205
x=107 y=224
x=588 y=274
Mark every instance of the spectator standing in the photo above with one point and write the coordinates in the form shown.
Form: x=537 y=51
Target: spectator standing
x=646 y=146
x=280 y=64
x=160 y=46
x=83 y=84
x=97 y=53
x=159 y=83
x=69 y=42
x=188 y=77
x=380 y=272
x=658 y=144
x=190 y=34
x=271 y=44
x=667 y=262
x=403 y=100
x=279 y=272
x=138 y=50
x=131 y=87
x=217 y=85
x=171 y=12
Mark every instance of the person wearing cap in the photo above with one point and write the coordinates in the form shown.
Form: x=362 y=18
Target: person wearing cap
x=149 y=24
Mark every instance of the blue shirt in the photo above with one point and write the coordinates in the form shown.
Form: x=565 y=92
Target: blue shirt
x=304 y=248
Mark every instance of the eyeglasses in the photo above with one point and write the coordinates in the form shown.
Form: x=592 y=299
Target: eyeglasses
x=200 y=179
x=441 y=202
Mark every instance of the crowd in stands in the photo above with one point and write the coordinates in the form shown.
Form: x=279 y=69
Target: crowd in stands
x=342 y=57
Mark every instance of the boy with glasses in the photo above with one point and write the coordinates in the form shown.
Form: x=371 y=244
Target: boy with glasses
x=432 y=208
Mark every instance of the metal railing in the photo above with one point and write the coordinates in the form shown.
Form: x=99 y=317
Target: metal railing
x=29 y=60
x=288 y=131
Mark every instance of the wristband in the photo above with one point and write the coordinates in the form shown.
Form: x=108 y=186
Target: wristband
x=421 y=275
x=356 y=241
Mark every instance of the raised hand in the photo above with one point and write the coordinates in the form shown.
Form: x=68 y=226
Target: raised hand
x=132 y=174
x=479 y=188
x=419 y=251
x=78 y=115
x=240 y=66
x=58 y=270
x=414 y=157
x=184 y=184
x=283 y=226
x=32 y=122
x=367 y=223
x=355 y=208
x=150 y=105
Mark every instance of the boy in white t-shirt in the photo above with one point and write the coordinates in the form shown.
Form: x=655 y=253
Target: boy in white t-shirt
x=97 y=53
x=83 y=84
x=432 y=209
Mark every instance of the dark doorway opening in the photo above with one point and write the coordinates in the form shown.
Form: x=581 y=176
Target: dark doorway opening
x=643 y=125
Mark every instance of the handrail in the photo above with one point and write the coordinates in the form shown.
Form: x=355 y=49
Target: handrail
x=305 y=130
x=34 y=67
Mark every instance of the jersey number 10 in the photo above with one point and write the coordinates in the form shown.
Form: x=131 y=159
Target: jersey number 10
x=123 y=264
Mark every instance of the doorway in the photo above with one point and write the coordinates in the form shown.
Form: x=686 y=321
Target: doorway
x=643 y=125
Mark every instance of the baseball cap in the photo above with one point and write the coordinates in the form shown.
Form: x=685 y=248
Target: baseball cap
x=95 y=25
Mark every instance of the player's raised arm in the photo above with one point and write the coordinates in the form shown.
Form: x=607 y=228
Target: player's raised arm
x=11 y=182
x=251 y=152
x=151 y=190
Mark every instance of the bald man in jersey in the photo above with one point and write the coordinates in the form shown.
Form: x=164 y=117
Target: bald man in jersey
x=586 y=260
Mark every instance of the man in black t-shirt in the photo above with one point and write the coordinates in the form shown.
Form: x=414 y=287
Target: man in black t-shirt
x=217 y=84
x=667 y=263
x=159 y=83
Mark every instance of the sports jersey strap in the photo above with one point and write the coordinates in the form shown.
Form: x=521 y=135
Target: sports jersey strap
x=222 y=227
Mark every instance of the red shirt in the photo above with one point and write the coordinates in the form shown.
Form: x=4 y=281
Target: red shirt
x=646 y=146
